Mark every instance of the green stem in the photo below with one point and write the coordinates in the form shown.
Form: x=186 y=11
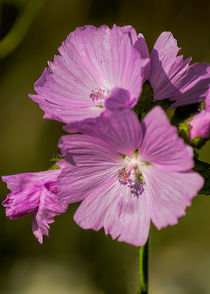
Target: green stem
x=143 y=269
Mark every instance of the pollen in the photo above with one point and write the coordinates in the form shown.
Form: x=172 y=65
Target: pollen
x=131 y=175
x=98 y=96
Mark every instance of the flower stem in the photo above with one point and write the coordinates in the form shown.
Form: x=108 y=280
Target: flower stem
x=143 y=269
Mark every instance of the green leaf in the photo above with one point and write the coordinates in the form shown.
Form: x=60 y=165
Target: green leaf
x=203 y=168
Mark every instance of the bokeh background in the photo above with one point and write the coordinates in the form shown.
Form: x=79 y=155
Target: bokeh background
x=73 y=260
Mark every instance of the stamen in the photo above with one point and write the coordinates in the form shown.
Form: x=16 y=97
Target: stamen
x=137 y=188
x=131 y=174
x=98 y=96
x=131 y=178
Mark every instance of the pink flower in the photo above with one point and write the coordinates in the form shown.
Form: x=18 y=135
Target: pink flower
x=127 y=174
x=172 y=77
x=92 y=62
x=200 y=124
x=34 y=193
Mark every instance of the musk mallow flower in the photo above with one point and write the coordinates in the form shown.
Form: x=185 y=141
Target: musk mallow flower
x=172 y=77
x=34 y=193
x=127 y=173
x=92 y=62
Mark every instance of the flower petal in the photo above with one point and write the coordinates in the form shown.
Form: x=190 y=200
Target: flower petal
x=49 y=207
x=172 y=77
x=141 y=46
x=161 y=146
x=113 y=207
x=91 y=162
x=207 y=101
x=200 y=125
x=119 y=99
x=169 y=193
x=120 y=129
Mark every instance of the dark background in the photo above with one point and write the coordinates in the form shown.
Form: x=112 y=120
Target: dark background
x=73 y=260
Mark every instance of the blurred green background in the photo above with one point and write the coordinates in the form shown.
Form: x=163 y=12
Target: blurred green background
x=73 y=260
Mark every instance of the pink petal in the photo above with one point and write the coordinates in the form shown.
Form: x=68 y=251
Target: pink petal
x=161 y=146
x=200 y=125
x=141 y=46
x=119 y=99
x=207 y=101
x=114 y=208
x=172 y=77
x=169 y=193
x=120 y=129
x=91 y=163
x=49 y=207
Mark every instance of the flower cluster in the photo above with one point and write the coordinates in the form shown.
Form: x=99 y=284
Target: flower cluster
x=126 y=173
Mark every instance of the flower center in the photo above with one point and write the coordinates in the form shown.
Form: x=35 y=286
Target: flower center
x=98 y=96
x=131 y=174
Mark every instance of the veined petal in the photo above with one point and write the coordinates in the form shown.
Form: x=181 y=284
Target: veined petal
x=169 y=193
x=18 y=182
x=120 y=129
x=83 y=150
x=141 y=46
x=172 y=77
x=49 y=207
x=161 y=146
x=113 y=207
x=62 y=113
x=91 y=162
